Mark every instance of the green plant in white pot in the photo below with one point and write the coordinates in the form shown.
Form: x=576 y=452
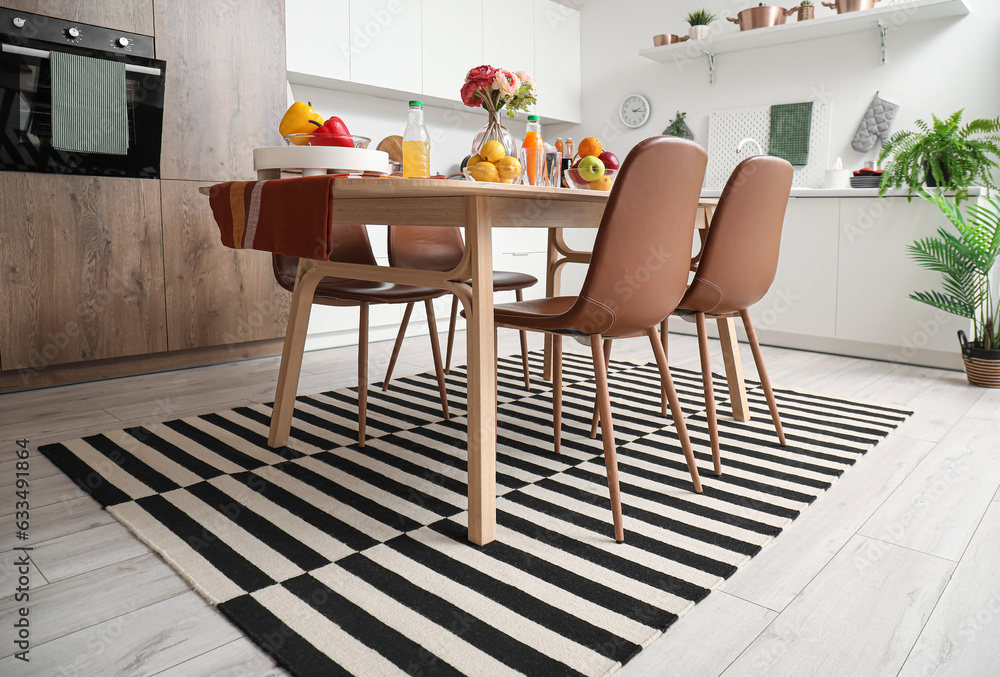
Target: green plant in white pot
x=698 y=22
x=965 y=258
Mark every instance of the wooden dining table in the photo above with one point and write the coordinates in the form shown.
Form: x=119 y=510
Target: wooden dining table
x=478 y=208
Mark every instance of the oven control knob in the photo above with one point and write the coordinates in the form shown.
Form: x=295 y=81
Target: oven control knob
x=123 y=42
x=73 y=32
x=18 y=22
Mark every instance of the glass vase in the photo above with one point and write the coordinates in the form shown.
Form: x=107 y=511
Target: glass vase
x=494 y=131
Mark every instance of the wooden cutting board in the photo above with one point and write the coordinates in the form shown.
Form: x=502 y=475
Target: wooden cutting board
x=393 y=145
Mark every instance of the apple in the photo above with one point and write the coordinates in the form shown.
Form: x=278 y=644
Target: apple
x=610 y=160
x=591 y=168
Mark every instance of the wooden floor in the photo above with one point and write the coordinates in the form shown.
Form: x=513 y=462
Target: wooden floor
x=892 y=572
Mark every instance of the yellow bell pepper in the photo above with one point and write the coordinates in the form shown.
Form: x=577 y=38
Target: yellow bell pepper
x=300 y=118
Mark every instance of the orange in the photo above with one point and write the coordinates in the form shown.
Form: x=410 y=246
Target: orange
x=603 y=183
x=590 y=146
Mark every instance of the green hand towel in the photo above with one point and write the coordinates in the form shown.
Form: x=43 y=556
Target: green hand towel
x=89 y=111
x=790 y=125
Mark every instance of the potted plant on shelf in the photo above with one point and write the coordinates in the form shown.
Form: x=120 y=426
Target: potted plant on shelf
x=965 y=261
x=806 y=11
x=698 y=22
x=944 y=154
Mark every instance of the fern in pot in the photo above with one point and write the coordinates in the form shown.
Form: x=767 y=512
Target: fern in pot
x=946 y=154
x=965 y=258
x=698 y=22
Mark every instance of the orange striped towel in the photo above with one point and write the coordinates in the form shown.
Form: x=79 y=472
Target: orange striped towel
x=283 y=216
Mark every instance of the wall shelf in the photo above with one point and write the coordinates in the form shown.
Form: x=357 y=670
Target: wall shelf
x=880 y=20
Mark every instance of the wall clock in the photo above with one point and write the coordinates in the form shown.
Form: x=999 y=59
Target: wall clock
x=634 y=110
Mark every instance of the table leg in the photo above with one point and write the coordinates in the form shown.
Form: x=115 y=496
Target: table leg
x=306 y=279
x=734 y=368
x=551 y=289
x=482 y=386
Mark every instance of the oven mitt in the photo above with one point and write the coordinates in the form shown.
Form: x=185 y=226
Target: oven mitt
x=875 y=125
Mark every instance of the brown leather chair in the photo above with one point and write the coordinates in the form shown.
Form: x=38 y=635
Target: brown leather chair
x=351 y=245
x=737 y=267
x=637 y=275
x=441 y=248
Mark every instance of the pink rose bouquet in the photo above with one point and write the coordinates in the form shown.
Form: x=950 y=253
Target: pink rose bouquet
x=496 y=88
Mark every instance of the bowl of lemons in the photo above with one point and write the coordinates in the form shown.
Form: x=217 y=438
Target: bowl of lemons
x=492 y=165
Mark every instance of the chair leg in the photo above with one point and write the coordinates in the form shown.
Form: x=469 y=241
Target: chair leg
x=675 y=407
x=706 y=379
x=451 y=333
x=765 y=382
x=608 y=433
x=363 y=375
x=557 y=391
x=519 y=295
x=436 y=353
x=597 y=416
x=663 y=340
x=397 y=345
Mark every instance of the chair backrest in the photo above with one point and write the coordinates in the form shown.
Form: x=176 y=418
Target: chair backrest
x=639 y=268
x=741 y=253
x=349 y=242
x=426 y=247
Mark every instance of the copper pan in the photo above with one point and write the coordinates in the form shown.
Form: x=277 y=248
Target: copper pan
x=668 y=39
x=844 y=6
x=762 y=17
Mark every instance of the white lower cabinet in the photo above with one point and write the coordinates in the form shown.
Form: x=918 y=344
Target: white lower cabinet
x=877 y=275
x=803 y=297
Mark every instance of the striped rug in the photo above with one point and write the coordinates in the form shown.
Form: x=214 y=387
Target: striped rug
x=338 y=560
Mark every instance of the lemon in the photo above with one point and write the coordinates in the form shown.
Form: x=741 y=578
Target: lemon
x=492 y=151
x=485 y=171
x=509 y=168
x=473 y=161
x=603 y=183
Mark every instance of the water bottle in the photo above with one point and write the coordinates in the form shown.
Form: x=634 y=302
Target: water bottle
x=416 y=144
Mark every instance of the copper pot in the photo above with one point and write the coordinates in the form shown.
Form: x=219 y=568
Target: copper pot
x=844 y=6
x=668 y=39
x=762 y=17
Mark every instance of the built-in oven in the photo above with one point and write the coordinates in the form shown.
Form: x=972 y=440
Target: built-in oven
x=27 y=42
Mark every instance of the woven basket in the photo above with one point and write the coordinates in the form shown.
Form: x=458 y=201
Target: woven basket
x=982 y=367
x=806 y=12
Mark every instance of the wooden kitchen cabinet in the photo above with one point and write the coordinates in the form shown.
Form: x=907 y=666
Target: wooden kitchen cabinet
x=215 y=295
x=225 y=85
x=318 y=38
x=82 y=270
x=132 y=16
x=451 y=45
x=386 y=44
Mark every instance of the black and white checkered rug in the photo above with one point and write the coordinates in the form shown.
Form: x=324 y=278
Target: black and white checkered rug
x=340 y=560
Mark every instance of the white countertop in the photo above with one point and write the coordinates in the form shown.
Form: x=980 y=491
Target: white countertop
x=975 y=191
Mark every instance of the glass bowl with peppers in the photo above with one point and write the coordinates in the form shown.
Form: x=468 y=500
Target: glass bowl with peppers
x=322 y=139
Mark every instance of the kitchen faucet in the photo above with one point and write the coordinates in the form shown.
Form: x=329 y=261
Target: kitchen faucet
x=739 y=148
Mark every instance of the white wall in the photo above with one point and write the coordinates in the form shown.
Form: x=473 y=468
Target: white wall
x=933 y=67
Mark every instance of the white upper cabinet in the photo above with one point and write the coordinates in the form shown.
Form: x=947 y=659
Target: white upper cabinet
x=557 y=68
x=508 y=35
x=452 y=44
x=385 y=44
x=317 y=38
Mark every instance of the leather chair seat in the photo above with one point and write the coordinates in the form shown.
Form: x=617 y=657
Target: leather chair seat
x=509 y=280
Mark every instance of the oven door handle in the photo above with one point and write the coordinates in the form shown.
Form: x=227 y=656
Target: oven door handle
x=43 y=54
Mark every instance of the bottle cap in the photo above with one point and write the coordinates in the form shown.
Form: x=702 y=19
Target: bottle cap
x=533 y=118
x=416 y=104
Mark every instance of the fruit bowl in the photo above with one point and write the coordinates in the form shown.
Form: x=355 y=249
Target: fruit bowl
x=322 y=139
x=574 y=180
x=471 y=176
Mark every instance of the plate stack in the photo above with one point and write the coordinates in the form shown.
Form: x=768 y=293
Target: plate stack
x=866 y=181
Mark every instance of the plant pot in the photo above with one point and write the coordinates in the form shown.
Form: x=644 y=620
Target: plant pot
x=698 y=32
x=982 y=367
x=931 y=181
x=806 y=12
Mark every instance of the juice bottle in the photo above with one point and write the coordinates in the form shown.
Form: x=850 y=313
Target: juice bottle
x=559 y=144
x=535 y=150
x=416 y=144
x=568 y=148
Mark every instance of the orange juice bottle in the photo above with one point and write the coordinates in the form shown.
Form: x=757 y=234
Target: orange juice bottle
x=535 y=153
x=416 y=144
